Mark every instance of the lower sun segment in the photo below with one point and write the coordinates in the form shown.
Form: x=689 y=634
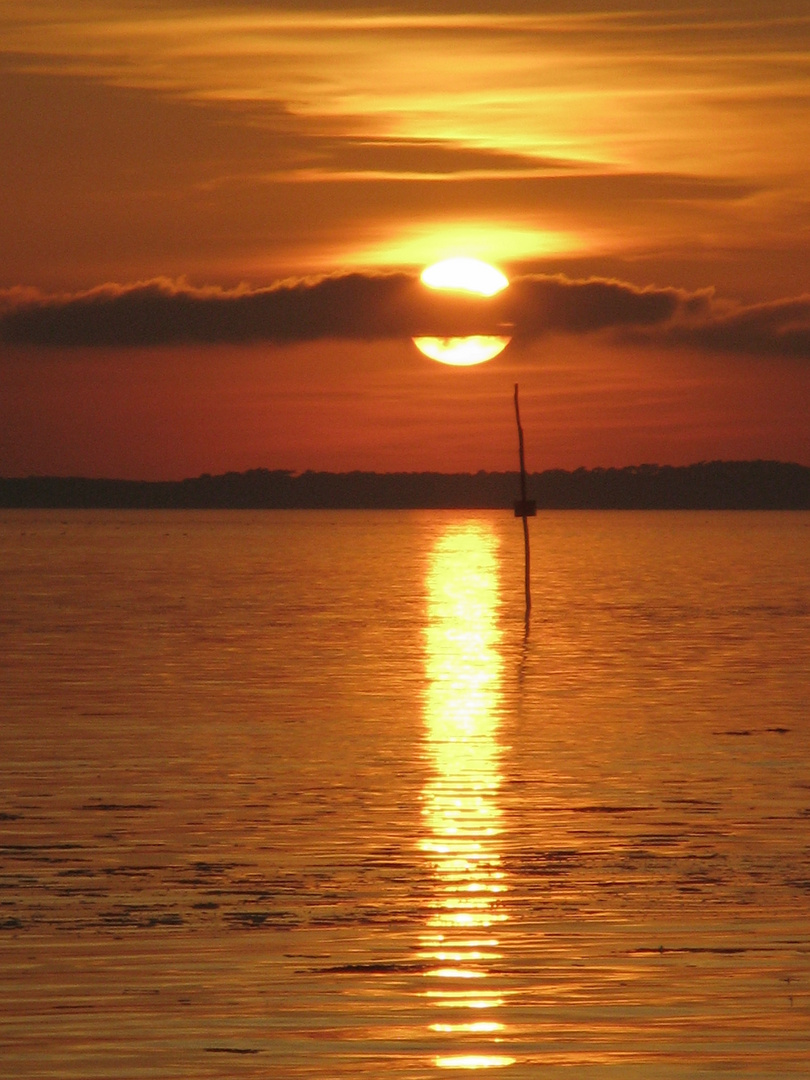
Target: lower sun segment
x=461 y=351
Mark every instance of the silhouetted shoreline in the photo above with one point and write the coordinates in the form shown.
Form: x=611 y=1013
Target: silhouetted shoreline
x=714 y=485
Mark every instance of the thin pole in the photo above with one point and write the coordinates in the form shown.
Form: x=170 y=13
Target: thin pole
x=524 y=508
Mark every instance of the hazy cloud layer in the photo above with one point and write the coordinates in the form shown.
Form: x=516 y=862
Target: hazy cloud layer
x=368 y=307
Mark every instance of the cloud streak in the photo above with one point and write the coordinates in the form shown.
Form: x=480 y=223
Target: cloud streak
x=386 y=306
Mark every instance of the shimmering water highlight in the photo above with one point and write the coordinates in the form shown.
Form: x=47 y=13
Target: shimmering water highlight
x=293 y=795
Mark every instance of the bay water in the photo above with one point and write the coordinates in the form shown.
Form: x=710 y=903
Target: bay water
x=303 y=794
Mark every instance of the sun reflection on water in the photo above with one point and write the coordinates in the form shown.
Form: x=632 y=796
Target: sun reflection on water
x=461 y=811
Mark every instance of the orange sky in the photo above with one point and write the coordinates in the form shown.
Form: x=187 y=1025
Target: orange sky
x=222 y=148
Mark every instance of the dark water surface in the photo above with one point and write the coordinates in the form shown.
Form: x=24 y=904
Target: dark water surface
x=292 y=794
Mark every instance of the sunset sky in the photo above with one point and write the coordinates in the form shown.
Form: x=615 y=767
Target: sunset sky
x=214 y=217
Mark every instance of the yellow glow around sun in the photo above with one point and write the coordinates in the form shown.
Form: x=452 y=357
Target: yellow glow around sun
x=427 y=242
x=466 y=274
x=461 y=351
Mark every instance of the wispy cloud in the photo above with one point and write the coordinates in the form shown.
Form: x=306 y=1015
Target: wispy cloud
x=606 y=84
x=378 y=307
x=626 y=127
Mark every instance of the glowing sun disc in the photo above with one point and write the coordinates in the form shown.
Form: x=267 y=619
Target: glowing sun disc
x=465 y=274
x=461 y=351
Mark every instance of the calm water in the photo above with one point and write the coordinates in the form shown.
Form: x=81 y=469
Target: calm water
x=294 y=795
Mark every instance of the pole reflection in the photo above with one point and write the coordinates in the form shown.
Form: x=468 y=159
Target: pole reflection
x=461 y=811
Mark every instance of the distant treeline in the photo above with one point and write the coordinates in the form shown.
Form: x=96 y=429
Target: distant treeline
x=712 y=485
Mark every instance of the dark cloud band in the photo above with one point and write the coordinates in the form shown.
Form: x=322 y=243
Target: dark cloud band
x=776 y=328
x=368 y=307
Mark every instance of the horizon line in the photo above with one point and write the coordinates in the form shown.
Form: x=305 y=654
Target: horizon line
x=297 y=473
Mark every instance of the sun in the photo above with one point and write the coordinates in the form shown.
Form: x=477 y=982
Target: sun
x=461 y=351
x=463 y=274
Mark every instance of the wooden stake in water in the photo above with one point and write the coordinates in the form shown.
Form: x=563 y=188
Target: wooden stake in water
x=524 y=508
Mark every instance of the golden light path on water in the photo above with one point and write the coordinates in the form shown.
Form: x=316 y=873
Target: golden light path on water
x=461 y=812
